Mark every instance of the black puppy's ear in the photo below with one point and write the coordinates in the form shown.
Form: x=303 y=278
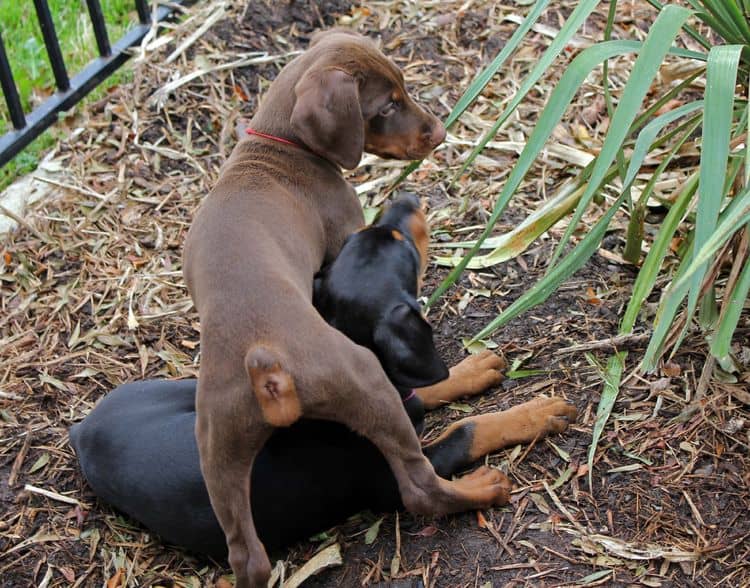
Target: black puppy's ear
x=404 y=345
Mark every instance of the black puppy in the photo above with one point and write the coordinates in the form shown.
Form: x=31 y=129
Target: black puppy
x=370 y=291
x=137 y=447
x=138 y=452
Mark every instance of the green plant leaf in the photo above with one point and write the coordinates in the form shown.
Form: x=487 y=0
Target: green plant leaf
x=735 y=216
x=719 y=100
x=612 y=376
x=726 y=19
x=579 y=15
x=481 y=81
x=734 y=303
x=372 y=532
x=721 y=78
x=594 y=577
x=566 y=268
x=701 y=39
x=42 y=461
x=649 y=271
x=563 y=93
x=655 y=48
x=512 y=244
x=476 y=87
x=650 y=131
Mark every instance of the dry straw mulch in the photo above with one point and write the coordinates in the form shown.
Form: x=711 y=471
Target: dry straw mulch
x=92 y=296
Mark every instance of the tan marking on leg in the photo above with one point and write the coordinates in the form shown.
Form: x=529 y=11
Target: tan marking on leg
x=521 y=424
x=273 y=386
x=471 y=376
x=277 y=396
x=371 y=406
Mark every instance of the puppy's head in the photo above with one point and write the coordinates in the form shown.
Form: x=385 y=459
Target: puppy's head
x=403 y=337
x=369 y=293
x=407 y=218
x=352 y=98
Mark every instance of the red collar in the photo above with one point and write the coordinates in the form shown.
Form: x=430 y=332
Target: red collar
x=250 y=131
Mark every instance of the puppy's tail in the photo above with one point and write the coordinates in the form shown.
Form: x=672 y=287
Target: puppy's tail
x=273 y=387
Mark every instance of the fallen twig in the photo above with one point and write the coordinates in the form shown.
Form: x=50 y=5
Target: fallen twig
x=612 y=343
x=51 y=495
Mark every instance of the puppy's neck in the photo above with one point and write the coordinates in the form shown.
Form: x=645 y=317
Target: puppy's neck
x=274 y=111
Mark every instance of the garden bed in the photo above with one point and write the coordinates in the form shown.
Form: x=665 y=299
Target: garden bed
x=92 y=296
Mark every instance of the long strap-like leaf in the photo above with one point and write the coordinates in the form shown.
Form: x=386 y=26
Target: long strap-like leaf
x=476 y=87
x=612 y=377
x=576 y=258
x=734 y=303
x=735 y=216
x=721 y=78
x=720 y=92
x=574 y=22
x=558 y=102
x=561 y=272
x=655 y=48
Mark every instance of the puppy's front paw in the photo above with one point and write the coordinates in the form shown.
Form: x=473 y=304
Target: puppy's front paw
x=485 y=487
x=478 y=372
x=546 y=416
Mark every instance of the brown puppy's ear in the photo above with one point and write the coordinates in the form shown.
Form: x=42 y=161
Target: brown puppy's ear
x=327 y=116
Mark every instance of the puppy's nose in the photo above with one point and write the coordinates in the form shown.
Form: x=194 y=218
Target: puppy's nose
x=436 y=134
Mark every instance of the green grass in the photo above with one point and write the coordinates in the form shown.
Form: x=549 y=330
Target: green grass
x=31 y=69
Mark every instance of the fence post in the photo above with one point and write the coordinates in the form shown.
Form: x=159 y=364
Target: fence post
x=9 y=90
x=52 y=44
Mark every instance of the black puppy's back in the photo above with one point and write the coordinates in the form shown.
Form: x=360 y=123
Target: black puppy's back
x=138 y=452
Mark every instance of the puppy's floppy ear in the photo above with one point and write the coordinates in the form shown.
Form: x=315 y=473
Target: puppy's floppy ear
x=404 y=345
x=327 y=116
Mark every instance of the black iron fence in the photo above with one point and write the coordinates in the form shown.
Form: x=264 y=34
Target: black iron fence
x=28 y=126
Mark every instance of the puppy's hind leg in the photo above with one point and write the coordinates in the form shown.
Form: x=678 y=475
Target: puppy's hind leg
x=366 y=401
x=228 y=442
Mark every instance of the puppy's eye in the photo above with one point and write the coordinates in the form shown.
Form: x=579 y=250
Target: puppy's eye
x=388 y=109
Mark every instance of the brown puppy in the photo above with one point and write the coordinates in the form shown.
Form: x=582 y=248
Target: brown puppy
x=278 y=212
